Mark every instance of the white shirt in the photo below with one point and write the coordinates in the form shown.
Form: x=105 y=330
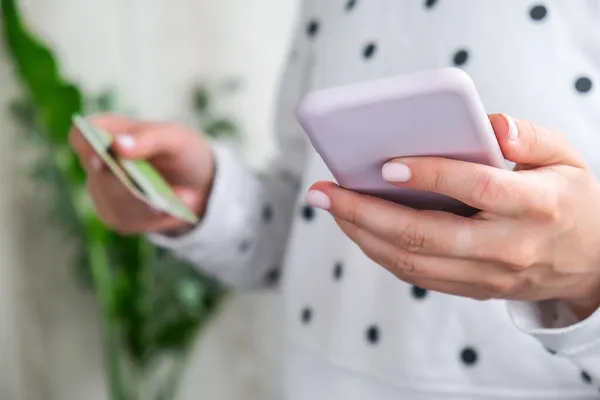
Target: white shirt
x=354 y=330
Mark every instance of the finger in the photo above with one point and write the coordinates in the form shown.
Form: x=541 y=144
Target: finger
x=192 y=201
x=480 y=186
x=93 y=164
x=124 y=212
x=112 y=124
x=165 y=224
x=526 y=143
x=432 y=232
x=487 y=277
x=145 y=141
x=119 y=208
x=453 y=289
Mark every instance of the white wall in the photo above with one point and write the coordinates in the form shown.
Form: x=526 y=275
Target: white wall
x=10 y=377
x=153 y=50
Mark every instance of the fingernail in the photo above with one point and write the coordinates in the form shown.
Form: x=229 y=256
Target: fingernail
x=126 y=141
x=95 y=163
x=396 y=172
x=513 y=131
x=318 y=199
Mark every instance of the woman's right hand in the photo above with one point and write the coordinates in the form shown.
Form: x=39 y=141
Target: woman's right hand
x=185 y=159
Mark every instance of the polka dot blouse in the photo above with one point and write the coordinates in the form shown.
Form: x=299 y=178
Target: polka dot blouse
x=353 y=330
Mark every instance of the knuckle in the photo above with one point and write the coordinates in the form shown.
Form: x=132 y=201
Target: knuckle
x=357 y=213
x=499 y=287
x=522 y=257
x=481 y=296
x=484 y=189
x=534 y=133
x=551 y=207
x=411 y=238
x=405 y=264
x=351 y=214
x=437 y=179
x=558 y=206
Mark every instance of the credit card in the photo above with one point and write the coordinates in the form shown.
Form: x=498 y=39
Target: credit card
x=138 y=176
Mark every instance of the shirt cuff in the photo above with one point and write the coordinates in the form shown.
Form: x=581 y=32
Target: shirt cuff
x=220 y=217
x=555 y=326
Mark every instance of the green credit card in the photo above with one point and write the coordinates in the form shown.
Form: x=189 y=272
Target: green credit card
x=138 y=176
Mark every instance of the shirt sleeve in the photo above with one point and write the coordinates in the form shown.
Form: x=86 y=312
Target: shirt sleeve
x=242 y=238
x=561 y=333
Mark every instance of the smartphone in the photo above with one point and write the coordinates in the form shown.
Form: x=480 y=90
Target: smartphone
x=357 y=128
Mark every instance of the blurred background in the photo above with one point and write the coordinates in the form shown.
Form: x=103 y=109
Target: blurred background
x=152 y=54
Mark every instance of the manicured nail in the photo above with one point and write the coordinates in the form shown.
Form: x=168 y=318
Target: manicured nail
x=396 y=172
x=95 y=163
x=513 y=131
x=126 y=141
x=318 y=199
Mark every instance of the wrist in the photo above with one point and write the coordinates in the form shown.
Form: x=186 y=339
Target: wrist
x=586 y=303
x=583 y=308
x=199 y=210
x=198 y=202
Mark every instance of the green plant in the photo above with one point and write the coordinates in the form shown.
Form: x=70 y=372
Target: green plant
x=152 y=305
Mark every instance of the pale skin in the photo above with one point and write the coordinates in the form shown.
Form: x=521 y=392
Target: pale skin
x=536 y=237
x=183 y=157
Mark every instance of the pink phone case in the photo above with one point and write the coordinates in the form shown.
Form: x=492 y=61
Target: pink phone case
x=358 y=127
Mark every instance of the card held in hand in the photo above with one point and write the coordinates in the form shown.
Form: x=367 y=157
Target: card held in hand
x=138 y=176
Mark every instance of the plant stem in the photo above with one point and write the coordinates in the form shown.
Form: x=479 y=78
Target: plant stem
x=102 y=281
x=171 y=385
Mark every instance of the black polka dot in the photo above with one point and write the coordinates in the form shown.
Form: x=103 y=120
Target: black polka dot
x=351 y=4
x=430 y=3
x=583 y=84
x=419 y=293
x=369 y=50
x=267 y=214
x=585 y=377
x=306 y=315
x=372 y=334
x=460 y=58
x=273 y=275
x=312 y=28
x=308 y=213
x=468 y=356
x=538 y=13
x=338 y=271
x=245 y=246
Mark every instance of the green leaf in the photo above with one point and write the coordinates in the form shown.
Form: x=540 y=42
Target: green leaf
x=201 y=100
x=107 y=100
x=56 y=100
x=220 y=128
x=150 y=302
x=24 y=113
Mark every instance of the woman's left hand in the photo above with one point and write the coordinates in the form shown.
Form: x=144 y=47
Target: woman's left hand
x=537 y=236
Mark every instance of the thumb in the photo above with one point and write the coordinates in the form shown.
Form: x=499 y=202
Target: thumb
x=144 y=141
x=526 y=143
x=191 y=198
